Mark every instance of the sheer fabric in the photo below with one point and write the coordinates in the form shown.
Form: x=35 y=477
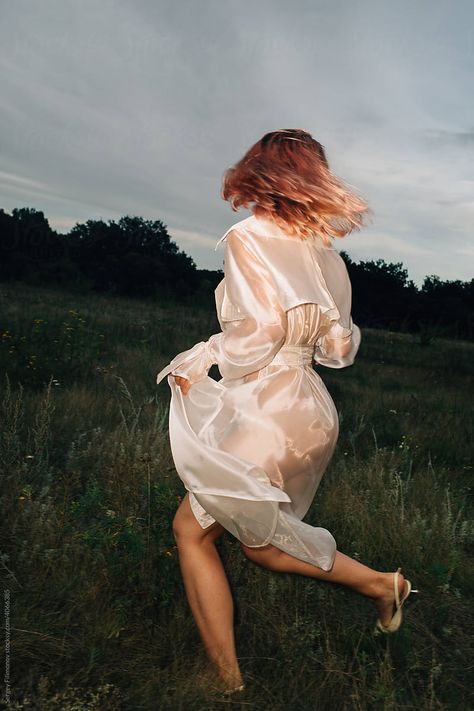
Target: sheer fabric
x=252 y=447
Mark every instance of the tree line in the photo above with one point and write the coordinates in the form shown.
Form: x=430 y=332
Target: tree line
x=135 y=257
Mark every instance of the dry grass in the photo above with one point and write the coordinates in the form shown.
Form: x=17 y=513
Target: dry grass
x=98 y=613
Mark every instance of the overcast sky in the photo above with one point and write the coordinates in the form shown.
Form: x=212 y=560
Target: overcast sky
x=137 y=107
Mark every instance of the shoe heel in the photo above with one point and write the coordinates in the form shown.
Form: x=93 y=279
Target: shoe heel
x=229 y=692
x=396 y=620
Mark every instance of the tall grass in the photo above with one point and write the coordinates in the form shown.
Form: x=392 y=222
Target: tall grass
x=99 y=618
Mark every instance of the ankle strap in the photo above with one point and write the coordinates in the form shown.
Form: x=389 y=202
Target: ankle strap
x=395 y=588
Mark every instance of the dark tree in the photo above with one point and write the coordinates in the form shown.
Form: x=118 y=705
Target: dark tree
x=133 y=257
x=137 y=258
x=30 y=249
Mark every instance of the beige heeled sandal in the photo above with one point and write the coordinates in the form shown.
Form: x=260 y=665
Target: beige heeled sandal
x=209 y=683
x=396 y=620
x=229 y=692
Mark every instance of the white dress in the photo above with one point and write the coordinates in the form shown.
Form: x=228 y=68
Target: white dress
x=252 y=447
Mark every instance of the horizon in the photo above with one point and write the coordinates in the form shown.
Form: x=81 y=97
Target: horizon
x=120 y=109
x=354 y=260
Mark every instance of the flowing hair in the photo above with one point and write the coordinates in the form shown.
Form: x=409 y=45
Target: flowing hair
x=286 y=175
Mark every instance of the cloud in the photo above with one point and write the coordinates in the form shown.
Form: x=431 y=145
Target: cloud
x=190 y=238
x=394 y=247
x=119 y=108
x=450 y=138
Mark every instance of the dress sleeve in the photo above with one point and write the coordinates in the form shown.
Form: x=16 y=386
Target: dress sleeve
x=192 y=364
x=251 y=341
x=339 y=345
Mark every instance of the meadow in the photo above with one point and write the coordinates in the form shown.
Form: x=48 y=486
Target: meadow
x=98 y=615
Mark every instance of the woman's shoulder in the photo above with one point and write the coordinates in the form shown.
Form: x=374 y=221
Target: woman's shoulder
x=239 y=227
x=282 y=253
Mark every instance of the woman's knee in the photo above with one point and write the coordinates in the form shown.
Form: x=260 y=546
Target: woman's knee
x=179 y=527
x=184 y=522
x=262 y=555
x=187 y=529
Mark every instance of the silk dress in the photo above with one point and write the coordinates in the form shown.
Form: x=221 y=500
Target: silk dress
x=252 y=447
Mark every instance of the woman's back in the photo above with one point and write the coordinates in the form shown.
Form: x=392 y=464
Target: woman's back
x=306 y=326
x=301 y=271
x=304 y=279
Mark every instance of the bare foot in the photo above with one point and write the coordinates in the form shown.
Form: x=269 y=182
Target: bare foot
x=385 y=601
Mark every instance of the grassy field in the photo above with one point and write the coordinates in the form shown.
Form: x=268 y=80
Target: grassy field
x=98 y=615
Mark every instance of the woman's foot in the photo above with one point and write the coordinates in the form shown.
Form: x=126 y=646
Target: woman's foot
x=212 y=680
x=230 y=682
x=384 y=599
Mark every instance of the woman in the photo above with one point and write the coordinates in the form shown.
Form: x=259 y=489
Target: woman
x=252 y=447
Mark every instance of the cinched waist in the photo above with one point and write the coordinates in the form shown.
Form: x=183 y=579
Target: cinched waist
x=293 y=355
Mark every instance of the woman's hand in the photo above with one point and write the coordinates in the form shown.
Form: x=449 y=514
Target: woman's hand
x=183 y=383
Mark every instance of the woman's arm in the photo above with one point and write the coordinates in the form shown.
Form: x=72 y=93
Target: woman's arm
x=249 y=343
x=338 y=347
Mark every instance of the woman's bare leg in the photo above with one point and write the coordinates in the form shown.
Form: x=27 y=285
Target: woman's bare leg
x=207 y=590
x=346 y=571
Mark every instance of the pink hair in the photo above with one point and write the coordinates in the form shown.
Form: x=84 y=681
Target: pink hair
x=287 y=177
